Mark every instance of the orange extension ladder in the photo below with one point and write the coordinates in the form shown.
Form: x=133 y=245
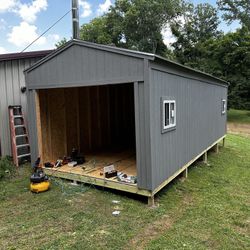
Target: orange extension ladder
x=19 y=135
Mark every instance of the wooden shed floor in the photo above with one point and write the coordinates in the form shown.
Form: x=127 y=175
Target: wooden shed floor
x=93 y=167
x=91 y=171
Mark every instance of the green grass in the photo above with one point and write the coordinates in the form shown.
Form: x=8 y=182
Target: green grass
x=7 y=169
x=209 y=210
x=238 y=116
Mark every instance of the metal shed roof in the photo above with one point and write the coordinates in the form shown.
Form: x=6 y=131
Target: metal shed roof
x=22 y=55
x=122 y=51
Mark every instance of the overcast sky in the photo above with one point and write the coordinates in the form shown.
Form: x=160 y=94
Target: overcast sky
x=21 y=21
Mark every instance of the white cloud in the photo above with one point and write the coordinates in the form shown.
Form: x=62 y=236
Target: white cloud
x=103 y=7
x=28 y=12
x=2 y=50
x=24 y=34
x=3 y=24
x=168 y=37
x=86 y=8
x=7 y=5
x=54 y=37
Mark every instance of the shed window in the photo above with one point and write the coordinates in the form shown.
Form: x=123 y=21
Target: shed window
x=224 y=106
x=168 y=114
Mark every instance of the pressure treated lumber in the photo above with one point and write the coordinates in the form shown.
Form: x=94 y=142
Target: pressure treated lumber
x=205 y=158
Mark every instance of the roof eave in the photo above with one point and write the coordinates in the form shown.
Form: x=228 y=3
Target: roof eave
x=24 y=55
x=223 y=82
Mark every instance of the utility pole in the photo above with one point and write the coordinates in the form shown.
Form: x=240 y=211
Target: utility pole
x=75 y=19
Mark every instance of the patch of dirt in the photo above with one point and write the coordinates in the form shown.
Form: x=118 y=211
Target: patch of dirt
x=238 y=128
x=158 y=227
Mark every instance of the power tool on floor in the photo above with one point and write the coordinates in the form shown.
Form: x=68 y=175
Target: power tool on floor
x=39 y=181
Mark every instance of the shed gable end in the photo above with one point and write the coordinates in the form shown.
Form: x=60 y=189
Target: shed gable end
x=80 y=66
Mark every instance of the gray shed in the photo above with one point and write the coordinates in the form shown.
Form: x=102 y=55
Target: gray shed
x=148 y=116
x=12 y=80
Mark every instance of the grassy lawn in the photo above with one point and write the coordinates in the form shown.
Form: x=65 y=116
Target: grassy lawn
x=238 y=116
x=209 y=210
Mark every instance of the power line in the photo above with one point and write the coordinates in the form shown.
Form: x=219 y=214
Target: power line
x=47 y=30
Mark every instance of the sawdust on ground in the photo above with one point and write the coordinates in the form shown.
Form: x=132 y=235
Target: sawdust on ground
x=238 y=128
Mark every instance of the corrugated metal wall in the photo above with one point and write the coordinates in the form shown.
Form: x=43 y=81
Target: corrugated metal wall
x=199 y=121
x=11 y=80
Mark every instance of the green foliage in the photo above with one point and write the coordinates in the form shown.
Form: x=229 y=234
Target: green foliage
x=201 y=46
x=209 y=210
x=133 y=24
x=218 y=215
x=61 y=43
x=238 y=116
x=228 y=57
x=199 y=23
x=96 y=31
x=7 y=169
x=236 y=10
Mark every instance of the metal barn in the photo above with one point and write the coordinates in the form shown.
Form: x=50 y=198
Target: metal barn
x=11 y=81
x=148 y=116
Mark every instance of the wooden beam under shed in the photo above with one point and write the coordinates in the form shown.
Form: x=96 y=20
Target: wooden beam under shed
x=205 y=158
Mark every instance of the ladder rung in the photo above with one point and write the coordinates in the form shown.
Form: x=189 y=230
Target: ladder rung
x=24 y=135
x=22 y=145
x=20 y=156
x=19 y=126
x=18 y=116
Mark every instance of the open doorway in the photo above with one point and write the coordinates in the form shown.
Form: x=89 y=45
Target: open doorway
x=98 y=121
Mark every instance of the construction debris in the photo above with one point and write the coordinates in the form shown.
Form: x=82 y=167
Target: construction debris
x=126 y=178
x=109 y=171
x=116 y=213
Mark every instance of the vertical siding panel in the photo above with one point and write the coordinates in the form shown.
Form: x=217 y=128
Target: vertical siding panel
x=16 y=83
x=9 y=87
x=199 y=122
x=11 y=81
x=23 y=99
x=4 y=132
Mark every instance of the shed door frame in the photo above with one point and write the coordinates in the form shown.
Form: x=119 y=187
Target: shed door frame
x=143 y=157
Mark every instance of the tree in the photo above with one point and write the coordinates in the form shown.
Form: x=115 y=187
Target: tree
x=96 y=31
x=61 y=43
x=228 y=57
x=197 y=25
x=134 y=24
x=200 y=45
x=236 y=10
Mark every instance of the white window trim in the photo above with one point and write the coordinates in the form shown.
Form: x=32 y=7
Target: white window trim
x=171 y=125
x=224 y=105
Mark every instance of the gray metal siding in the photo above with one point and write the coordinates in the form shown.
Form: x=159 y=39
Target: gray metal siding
x=83 y=66
x=199 y=121
x=11 y=80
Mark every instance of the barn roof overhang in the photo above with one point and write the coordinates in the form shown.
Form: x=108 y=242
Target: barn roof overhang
x=24 y=55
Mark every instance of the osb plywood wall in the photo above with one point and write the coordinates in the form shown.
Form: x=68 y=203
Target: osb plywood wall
x=91 y=119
